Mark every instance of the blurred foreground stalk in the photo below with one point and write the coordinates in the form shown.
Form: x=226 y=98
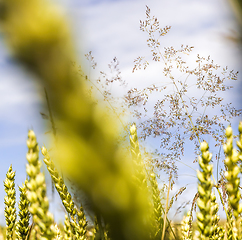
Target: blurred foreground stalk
x=39 y=38
x=236 y=6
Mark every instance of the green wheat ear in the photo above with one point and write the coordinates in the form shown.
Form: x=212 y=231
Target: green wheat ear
x=59 y=184
x=10 y=200
x=185 y=227
x=204 y=202
x=140 y=174
x=233 y=181
x=232 y=157
x=22 y=227
x=78 y=229
x=44 y=223
x=67 y=229
x=231 y=230
x=157 y=216
x=58 y=233
x=82 y=222
x=219 y=232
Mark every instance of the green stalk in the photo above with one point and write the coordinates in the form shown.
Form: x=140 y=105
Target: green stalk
x=167 y=204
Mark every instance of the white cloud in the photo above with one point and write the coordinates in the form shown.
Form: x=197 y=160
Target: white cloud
x=112 y=29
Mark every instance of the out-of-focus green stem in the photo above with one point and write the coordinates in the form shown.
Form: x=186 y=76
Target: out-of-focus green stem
x=87 y=148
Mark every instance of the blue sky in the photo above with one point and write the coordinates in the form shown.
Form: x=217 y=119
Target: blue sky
x=109 y=29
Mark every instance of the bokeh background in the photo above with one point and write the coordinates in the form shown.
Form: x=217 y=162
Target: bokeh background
x=110 y=28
